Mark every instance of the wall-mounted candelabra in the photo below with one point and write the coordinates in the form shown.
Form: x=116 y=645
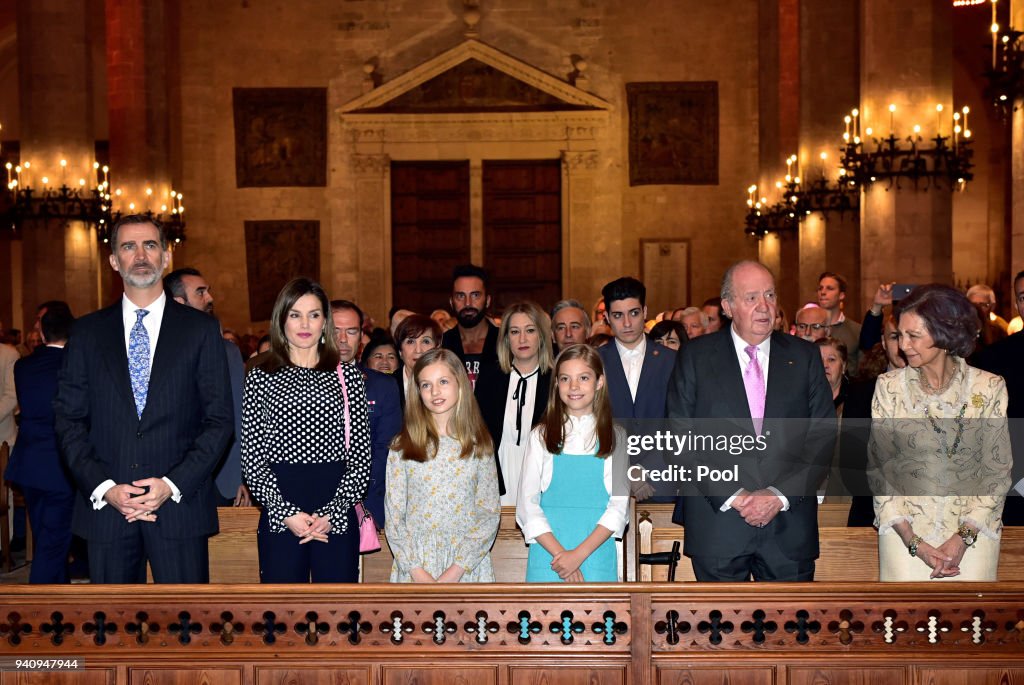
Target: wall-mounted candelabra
x=942 y=161
x=799 y=198
x=31 y=196
x=1006 y=77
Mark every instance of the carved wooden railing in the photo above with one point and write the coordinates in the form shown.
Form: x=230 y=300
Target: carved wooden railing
x=595 y=634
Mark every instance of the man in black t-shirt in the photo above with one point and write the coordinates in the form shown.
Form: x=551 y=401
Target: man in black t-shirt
x=475 y=339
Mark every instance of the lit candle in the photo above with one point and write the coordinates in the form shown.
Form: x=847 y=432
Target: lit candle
x=824 y=157
x=938 y=119
x=847 y=119
x=856 y=126
x=63 y=171
x=892 y=119
x=9 y=167
x=25 y=181
x=966 y=110
x=995 y=36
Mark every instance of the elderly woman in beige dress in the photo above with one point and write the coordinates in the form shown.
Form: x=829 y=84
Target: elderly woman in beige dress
x=940 y=448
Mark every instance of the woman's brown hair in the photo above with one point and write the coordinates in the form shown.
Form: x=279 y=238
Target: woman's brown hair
x=327 y=347
x=552 y=428
x=419 y=439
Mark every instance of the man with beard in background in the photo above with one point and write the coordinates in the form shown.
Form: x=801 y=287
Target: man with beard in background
x=187 y=286
x=475 y=339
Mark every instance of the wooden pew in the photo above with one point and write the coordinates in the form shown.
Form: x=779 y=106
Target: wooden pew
x=847 y=554
x=234 y=559
x=494 y=634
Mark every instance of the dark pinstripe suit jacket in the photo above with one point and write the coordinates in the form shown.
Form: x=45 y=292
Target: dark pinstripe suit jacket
x=182 y=433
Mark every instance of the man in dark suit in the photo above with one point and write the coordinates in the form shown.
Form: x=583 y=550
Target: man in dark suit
x=637 y=370
x=36 y=465
x=382 y=399
x=143 y=415
x=756 y=381
x=187 y=286
x=1006 y=358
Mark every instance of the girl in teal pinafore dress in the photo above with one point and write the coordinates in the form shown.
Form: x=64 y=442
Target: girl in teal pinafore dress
x=573 y=495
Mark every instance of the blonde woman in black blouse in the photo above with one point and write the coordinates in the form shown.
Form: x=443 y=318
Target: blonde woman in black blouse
x=305 y=445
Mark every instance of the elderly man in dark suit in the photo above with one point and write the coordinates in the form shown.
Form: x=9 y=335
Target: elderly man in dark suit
x=756 y=382
x=36 y=465
x=143 y=416
x=637 y=370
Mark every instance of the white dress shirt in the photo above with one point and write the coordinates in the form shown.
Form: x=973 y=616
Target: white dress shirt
x=538 y=466
x=151 y=322
x=510 y=455
x=632 y=362
x=764 y=349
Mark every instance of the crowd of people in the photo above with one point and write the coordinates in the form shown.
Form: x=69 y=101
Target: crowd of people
x=138 y=420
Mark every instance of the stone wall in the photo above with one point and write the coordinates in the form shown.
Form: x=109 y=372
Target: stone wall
x=270 y=44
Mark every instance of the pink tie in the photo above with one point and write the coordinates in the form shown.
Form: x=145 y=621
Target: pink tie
x=753 y=382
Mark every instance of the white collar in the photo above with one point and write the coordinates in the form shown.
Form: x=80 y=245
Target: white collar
x=637 y=351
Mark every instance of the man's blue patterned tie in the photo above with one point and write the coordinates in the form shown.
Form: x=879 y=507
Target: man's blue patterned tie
x=138 y=361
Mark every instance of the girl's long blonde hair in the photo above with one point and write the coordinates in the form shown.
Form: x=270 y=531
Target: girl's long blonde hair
x=419 y=439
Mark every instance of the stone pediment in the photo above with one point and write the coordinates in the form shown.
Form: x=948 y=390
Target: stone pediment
x=474 y=78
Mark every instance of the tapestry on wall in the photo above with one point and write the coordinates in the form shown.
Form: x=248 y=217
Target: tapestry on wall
x=275 y=253
x=673 y=133
x=280 y=137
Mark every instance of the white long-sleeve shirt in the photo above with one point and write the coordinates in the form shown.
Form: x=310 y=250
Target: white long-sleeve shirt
x=538 y=465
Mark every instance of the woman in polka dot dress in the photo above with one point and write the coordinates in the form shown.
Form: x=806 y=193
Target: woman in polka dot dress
x=442 y=489
x=302 y=461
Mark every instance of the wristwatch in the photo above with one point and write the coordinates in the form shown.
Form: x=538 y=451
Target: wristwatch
x=967 y=535
x=912 y=545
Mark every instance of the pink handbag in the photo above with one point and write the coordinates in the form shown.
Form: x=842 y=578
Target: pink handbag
x=369 y=541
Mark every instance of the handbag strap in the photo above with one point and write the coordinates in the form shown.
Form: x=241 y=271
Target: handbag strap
x=344 y=401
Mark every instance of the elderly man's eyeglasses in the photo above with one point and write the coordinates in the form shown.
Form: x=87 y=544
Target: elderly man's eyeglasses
x=812 y=326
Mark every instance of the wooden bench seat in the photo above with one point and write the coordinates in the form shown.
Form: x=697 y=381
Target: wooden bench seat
x=847 y=554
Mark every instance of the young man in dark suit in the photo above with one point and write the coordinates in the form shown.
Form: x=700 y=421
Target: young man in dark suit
x=36 y=465
x=755 y=381
x=143 y=415
x=637 y=369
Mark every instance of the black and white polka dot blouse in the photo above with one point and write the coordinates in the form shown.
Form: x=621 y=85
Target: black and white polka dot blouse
x=296 y=416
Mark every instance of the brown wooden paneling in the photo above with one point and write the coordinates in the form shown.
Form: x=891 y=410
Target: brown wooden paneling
x=233 y=554
x=93 y=676
x=429 y=231
x=971 y=676
x=440 y=675
x=522 y=210
x=312 y=676
x=185 y=676
x=596 y=675
x=721 y=675
x=847 y=676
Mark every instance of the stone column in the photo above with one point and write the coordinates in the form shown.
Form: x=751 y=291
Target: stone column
x=137 y=103
x=579 y=184
x=829 y=89
x=1016 y=199
x=58 y=260
x=906 y=60
x=371 y=216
